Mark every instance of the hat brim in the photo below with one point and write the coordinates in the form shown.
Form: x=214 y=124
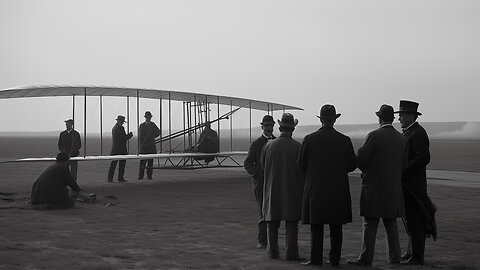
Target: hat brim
x=330 y=117
x=402 y=111
x=266 y=123
x=122 y=120
x=381 y=116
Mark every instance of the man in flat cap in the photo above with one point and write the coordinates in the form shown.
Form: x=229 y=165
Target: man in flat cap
x=147 y=133
x=253 y=167
x=420 y=211
x=69 y=142
x=283 y=188
x=326 y=157
x=119 y=147
x=381 y=161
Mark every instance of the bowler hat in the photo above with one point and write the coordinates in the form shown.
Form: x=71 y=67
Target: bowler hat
x=328 y=112
x=385 y=113
x=148 y=114
x=121 y=118
x=287 y=120
x=407 y=106
x=62 y=157
x=267 y=119
x=69 y=121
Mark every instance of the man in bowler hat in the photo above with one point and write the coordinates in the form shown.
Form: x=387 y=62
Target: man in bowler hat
x=420 y=211
x=69 y=142
x=147 y=133
x=326 y=157
x=283 y=188
x=119 y=147
x=253 y=167
x=381 y=161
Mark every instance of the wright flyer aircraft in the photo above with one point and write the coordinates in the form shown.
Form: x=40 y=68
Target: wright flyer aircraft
x=196 y=113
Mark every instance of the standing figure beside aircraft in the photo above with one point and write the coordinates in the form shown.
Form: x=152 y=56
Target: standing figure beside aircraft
x=147 y=133
x=253 y=167
x=119 y=147
x=69 y=142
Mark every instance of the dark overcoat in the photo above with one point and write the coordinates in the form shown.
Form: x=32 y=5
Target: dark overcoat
x=283 y=180
x=51 y=185
x=119 y=140
x=252 y=163
x=381 y=161
x=147 y=132
x=70 y=143
x=326 y=157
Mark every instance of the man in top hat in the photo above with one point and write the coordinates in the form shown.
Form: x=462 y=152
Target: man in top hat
x=326 y=157
x=69 y=142
x=253 y=167
x=420 y=212
x=51 y=186
x=119 y=147
x=147 y=132
x=381 y=161
x=283 y=188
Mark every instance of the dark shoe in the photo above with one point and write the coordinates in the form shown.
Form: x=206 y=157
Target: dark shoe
x=332 y=263
x=413 y=261
x=261 y=246
x=394 y=263
x=406 y=257
x=122 y=180
x=140 y=178
x=110 y=180
x=358 y=262
x=274 y=256
x=149 y=178
x=310 y=263
x=296 y=259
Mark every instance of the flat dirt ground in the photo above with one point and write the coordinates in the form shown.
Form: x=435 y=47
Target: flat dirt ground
x=192 y=219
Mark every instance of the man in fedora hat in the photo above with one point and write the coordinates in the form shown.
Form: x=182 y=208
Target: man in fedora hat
x=381 y=161
x=147 y=132
x=283 y=188
x=69 y=142
x=253 y=167
x=326 y=157
x=50 y=188
x=420 y=211
x=119 y=147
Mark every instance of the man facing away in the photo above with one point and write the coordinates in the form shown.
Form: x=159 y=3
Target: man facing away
x=119 y=147
x=51 y=186
x=147 y=133
x=253 y=167
x=326 y=157
x=420 y=211
x=69 y=142
x=283 y=188
x=381 y=161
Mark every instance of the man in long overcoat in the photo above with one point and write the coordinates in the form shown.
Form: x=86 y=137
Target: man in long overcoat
x=69 y=142
x=381 y=161
x=253 y=167
x=420 y=212
x=119 y=147
x=147 y=132
x=283 y=188
x=326 y=157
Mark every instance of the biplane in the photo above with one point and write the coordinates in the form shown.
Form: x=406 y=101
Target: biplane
x=196 y=113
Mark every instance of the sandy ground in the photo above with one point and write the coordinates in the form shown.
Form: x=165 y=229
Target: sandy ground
x=200 y=219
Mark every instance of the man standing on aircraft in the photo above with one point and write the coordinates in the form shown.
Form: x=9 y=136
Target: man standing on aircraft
x=283 y=188
x=326 y=157
x=253 y=167
x=147 y=133
x=69 y=142
x=119 y=147
x=420 y=211
x=381 y=161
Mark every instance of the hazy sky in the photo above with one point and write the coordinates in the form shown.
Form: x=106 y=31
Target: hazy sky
x=354 y=54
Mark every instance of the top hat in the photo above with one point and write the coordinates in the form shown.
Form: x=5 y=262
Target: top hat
x=69 y=121
x=407 y=106
x=148 y=114
x=121 y=118
x=267 y=119
x=287 y=120
x=62 y=157
x=385 y=113
x=328 y=112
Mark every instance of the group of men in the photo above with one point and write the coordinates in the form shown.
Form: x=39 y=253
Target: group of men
x=309 y=182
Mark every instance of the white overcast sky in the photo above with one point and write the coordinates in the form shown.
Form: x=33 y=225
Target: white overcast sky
x=353 y=54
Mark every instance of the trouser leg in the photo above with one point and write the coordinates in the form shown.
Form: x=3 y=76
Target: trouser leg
x=417 y=238
x=149 y=168
x=111 y=170
x=121 y=168
x=316 y=245
x=272 y=248
x=336 y=239
x=73 y=169
x=291 y=239
x=370 y=226
x=262 y=226
x=393 y=239
x=141 y=169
